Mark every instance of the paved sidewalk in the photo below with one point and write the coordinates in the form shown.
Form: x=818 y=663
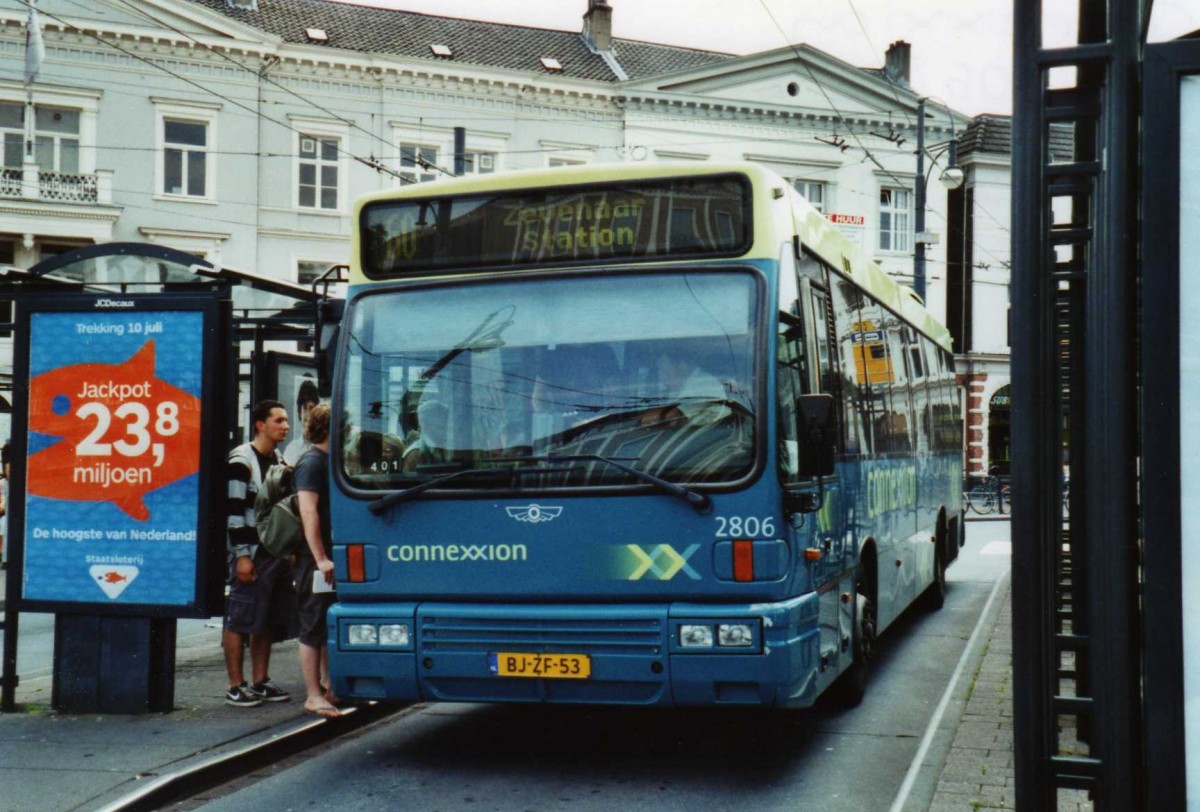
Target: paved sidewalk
x=57 y=762
x=978 y=773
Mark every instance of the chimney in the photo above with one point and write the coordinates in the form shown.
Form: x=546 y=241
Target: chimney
x=898 y=61
x=597 y=25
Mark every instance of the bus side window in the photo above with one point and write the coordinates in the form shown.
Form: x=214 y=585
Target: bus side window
x=922 y=393
x=824 y=360
x=902 y=390
x=855 y=409
x=876 y=372
x=791 y=372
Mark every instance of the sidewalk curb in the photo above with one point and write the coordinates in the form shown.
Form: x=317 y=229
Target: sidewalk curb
x=267 y=747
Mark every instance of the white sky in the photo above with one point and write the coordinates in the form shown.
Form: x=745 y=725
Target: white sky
x=962 y=49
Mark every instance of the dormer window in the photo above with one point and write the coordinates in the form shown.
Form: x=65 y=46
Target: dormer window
x=442 y=50
x=316 y=35
x=551 y=64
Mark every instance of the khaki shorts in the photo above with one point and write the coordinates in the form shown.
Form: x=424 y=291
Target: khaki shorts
x=262 y=604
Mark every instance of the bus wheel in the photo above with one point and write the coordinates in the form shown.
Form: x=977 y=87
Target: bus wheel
x=935 y=594
x=852 y=685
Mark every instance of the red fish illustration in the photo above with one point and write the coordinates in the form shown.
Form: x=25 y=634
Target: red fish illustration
x=114 y=577
x=124 y=433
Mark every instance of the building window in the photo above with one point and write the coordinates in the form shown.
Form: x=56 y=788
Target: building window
x=811 y=191
x=12 y=125
x=56 y=137
x=307 y=270
x=895 y=220
x=553 y=162
x=318 y=172
x=417 y=162
x=476 y=162
x=185 y=157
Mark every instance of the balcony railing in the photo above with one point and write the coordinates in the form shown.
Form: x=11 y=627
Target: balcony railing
x=31 y=183
x=10 y=182
x=75 y=188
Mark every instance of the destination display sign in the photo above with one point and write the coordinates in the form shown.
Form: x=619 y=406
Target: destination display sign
x=113 y=456
x=648 y=220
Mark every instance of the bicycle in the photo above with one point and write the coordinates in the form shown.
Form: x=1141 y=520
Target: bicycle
x=989 y=495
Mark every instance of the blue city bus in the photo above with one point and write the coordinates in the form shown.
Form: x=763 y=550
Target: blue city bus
x=649 y=434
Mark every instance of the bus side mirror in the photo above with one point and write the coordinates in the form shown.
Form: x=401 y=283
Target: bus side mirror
x=815 y=429
x=329 y=322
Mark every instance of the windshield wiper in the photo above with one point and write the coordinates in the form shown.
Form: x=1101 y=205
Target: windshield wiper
x=699 y=501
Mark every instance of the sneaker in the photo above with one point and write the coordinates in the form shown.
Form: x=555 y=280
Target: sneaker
x=268 y=691
x=240 y=696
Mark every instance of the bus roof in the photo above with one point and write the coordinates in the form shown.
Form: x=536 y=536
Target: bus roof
x=772 y=194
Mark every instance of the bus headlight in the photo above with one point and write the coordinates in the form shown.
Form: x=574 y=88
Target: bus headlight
x=393 y=634
x=695 y=636
x=362 y=634
x=734 y=634
x=379 y=635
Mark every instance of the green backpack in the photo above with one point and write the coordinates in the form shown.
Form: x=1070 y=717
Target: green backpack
x=277 y=513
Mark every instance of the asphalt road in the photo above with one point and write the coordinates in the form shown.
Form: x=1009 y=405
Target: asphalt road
x=481 y=757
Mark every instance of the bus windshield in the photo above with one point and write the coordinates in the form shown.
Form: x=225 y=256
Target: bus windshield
x=553 y=382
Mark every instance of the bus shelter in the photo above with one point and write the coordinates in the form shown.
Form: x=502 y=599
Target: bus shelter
x=129 y=365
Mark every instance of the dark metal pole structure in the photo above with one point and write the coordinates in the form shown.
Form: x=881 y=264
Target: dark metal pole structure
x=1164 y=406
x=919 y=246
x=1076 y=573
x=460 y=151
x=1033 y=432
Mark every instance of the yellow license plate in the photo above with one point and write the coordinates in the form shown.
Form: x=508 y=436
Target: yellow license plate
x=540 y=666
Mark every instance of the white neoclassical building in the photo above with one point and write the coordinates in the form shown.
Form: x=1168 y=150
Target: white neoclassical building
x=242 y=130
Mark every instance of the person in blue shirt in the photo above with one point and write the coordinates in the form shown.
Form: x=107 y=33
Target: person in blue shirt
x=314 y=567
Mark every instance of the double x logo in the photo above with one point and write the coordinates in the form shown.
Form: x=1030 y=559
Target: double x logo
x=663 y=562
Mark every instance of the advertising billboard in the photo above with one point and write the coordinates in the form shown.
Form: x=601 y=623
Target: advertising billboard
x=115 y=504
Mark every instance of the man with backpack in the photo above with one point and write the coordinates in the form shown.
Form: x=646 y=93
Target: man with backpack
x=258 y=581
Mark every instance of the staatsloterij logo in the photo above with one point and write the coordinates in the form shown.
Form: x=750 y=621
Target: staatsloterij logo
x=534 y=514
x=113 y=578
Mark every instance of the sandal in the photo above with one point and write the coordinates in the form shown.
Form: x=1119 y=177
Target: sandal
x=323 y=709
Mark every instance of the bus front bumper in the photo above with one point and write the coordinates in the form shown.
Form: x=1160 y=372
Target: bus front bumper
x=637 y=654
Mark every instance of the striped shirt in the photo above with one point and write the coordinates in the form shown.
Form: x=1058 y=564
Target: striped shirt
x=245 y=473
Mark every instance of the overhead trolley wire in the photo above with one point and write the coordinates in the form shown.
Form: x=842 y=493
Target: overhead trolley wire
x=367 y=161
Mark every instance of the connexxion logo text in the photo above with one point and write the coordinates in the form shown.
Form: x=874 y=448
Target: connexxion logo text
x=456 y=553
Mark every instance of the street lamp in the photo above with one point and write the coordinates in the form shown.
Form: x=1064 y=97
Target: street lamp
x=952 y=177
